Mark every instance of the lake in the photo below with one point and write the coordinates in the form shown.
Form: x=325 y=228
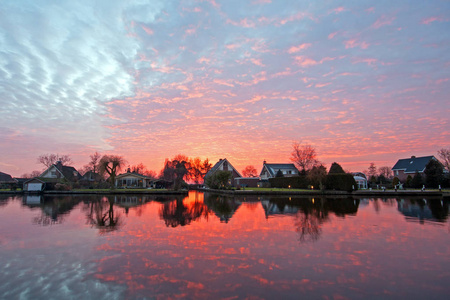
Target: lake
x=207 y=246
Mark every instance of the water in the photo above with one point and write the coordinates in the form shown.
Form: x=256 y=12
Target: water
x=210 y=246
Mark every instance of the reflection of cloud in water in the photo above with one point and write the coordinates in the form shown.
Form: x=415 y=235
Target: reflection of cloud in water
x=53 y=276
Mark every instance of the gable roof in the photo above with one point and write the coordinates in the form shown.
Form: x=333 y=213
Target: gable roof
x=6 y=178
x=273 y=168
x=412 y=164
x=218 y=165
x=70 y=173
x=133 y=174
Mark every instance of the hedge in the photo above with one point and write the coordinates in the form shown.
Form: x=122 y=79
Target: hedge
x=295 y=182
x=340 y=182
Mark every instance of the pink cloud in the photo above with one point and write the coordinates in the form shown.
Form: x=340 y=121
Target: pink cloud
x=232 y=46
x=319 y=85
x=245 y=23
x=295 y=49
x=203 y=60
x=338 y=10
x=305 y=61
x=442 y=80
x=368 y=61
x=223 y=82
x=384 y=20
x=430 y=20
x=148 y=30
x=332 y=35
x=256 y=2
x=257 y=62
x=355 y=43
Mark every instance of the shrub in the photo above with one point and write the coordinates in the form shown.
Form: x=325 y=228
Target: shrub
x=340 y=182
x=395 y=181
x=62 y=187
x=336 y=169
x=219 y=180
x=295 y=182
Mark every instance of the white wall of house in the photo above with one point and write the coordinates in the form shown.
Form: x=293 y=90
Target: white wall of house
x=51 y=172
x=131 y=181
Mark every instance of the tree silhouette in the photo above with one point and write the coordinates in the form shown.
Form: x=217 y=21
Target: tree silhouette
x=111 y=164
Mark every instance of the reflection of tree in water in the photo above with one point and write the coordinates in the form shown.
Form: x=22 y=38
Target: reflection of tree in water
x=310 y=213
x=177 y=213
x=308 y=226
x=101 y=215
x=223 y=207
x=421 y=209
x=54 y=209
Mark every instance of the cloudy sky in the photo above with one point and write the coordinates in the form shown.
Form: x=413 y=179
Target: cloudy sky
x=361 y=81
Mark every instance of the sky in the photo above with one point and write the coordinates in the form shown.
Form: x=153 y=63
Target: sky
x=361 y=81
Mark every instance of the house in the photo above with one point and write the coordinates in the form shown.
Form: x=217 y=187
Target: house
x=6 y=180
x=91 y=176
x=409 y=166
x=132 y=180
x=224 y=165
x=56 y=173
x=271 y=170
x=361 y=180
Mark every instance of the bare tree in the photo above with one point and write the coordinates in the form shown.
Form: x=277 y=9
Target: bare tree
x=111 y=164
x=95 y=159
x=444 y=155
x=304 y=156
x=385 y=171
x=249 y=171
x=372 y=171
x=31 y=175
x=317 y=176
x=50 y=159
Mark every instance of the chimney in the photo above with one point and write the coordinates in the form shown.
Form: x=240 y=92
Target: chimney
x=412 y=157
x=59 y=165
x=264 y=162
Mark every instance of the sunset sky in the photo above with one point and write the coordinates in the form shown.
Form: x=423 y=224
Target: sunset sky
x=361 y=81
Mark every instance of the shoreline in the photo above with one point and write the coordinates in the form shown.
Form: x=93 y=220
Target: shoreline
x=273 y=192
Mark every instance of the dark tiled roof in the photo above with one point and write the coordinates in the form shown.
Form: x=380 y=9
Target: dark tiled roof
x=70 y=173
x=132 y=173
x=6 y=178
x=413 y=164
x=273 y=168
x=217 y=166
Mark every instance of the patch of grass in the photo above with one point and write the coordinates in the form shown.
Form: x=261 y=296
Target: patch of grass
x=119 y=190
x=275 y=189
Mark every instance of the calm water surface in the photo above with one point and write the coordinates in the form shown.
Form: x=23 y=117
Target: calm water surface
x=214 y=247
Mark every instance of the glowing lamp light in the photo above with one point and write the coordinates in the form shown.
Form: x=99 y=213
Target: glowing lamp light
x=289 y=186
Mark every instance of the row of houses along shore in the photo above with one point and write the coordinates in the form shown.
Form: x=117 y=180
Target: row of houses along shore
x=60 y=174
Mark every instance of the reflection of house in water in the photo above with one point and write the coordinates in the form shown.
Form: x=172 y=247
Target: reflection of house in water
x=277 y=208
x=293 y=205
x=53 y=208
x=434 y=210
x=127 y=201
x=32 y=200
x=223 y=207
